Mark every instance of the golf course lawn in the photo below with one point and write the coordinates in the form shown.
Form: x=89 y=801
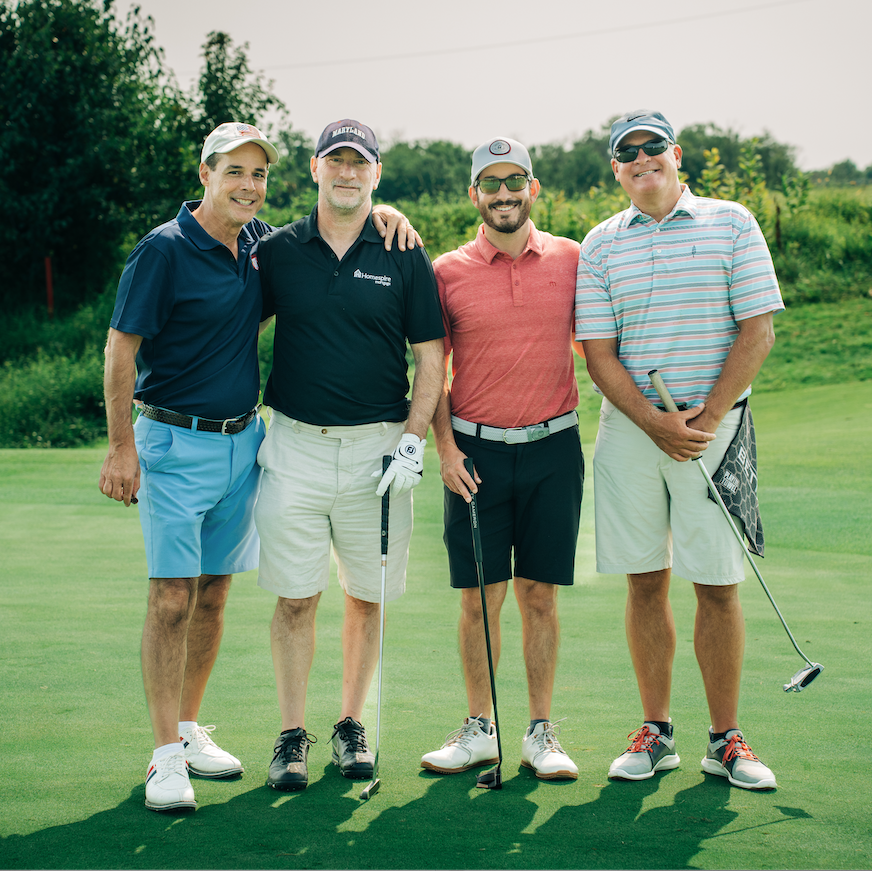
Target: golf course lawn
x=75 y=737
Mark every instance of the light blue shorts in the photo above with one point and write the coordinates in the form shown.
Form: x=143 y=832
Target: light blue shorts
x=196 y=499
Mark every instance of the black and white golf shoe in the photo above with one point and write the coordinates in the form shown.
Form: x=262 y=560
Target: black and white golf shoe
x=288 y=770
x=351 y=751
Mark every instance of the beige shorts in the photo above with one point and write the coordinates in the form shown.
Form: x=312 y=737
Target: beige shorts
x=317 y=490
x=653 y=512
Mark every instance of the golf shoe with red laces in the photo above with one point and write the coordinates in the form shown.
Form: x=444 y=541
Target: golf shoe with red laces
x=205 y=757
x=650 y=750
x=729 y=756
x=167 y=785
x=542 y=752
x=466 y=748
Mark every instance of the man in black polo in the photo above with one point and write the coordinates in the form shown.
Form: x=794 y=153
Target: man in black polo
x=344 y=309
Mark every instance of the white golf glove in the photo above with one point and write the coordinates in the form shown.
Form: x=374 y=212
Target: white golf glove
x=406 y=468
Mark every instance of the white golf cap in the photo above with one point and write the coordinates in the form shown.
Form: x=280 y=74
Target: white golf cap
x=502 y=150
x=229 y=136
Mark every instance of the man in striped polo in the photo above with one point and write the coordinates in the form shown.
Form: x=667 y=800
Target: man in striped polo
x=685 y=285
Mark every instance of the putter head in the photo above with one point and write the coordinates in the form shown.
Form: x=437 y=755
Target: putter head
x=803 y=678
x=492 y=779
x=370 y=790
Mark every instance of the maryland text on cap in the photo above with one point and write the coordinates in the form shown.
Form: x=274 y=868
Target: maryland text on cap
x=230 y=135
x=501 y=150
x=640 y=119
x=348 y=133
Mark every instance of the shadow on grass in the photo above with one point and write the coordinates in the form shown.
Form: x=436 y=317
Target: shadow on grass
x=452 y=825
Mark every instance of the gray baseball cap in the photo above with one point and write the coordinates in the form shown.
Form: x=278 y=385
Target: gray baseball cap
x=230 y=135
x=501 y=150
x=640 y=119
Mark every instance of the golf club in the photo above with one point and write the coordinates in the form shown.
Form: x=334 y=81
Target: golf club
x=810 y=671
x=492 y=779
x=373 y=786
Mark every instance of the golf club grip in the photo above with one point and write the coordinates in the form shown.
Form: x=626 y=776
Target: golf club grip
x=385 y=507
x=469 y=465
x=662 y=391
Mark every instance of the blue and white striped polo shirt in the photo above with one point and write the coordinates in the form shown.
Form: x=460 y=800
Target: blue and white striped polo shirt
x=671 y=293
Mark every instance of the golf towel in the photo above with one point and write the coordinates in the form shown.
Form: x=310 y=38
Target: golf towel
x=736 y=481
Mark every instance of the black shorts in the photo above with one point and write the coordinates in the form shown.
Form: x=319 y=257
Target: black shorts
x=529 y=502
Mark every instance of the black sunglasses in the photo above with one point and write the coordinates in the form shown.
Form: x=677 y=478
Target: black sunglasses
x=628 y=153
x=492 y=184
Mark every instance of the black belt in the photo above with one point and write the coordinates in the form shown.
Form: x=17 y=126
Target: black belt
x=231 y=426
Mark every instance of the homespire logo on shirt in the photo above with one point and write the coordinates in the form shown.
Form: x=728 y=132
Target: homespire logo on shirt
x=384 y=280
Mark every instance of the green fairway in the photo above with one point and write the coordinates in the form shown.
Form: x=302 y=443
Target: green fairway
x=75 y=738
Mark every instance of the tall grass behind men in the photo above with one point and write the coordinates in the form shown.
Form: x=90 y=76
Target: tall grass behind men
x=183 y=346
x=507 y=300
x=685 y=285
x=344 y=310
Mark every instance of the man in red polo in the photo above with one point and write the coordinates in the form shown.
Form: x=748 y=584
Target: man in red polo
x=507 y=303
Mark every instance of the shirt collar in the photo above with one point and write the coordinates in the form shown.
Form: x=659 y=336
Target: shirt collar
x=487 y=251
x=309 y=229
x=686 y=205
x=203 y=240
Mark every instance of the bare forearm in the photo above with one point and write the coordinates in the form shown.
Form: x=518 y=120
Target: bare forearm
x=428 y=386
x=750 y=349
x=119 y=381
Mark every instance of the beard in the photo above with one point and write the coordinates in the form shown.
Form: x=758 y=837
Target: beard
x=502 y=223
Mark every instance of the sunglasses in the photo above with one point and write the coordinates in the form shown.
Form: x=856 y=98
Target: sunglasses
x=491 y=184
x=628 y=153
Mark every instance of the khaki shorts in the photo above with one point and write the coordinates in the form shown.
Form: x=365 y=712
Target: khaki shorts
x=317 y=490
x=653 y=513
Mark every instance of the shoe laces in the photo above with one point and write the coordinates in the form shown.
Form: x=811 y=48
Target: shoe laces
x=353 y=734
x=465 y=733
x=736 y=746
x=202 y=735
x=175 y=763
x=547 y=740
x=642 y=740
x=293 y=746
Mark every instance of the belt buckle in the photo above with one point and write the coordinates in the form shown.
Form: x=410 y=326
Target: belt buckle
x=536 y=432
x=225 y=422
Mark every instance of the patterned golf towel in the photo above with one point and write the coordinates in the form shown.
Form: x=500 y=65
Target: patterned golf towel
x=736 y=481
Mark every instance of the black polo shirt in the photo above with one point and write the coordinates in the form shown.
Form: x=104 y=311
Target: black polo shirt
x=339 y=357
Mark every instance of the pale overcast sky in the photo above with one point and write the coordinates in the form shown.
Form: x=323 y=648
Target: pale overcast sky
x=549 y=70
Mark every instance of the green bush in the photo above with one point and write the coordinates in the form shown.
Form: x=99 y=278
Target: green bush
x=52 y=402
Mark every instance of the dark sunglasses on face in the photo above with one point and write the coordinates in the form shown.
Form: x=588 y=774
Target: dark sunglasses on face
x=628 y=153
x=491 y=184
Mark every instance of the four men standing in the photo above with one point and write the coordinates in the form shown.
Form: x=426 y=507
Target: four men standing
x=697 y=303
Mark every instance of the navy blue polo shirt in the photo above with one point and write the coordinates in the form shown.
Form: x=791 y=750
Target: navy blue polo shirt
x=197 y=310
x=341 y=326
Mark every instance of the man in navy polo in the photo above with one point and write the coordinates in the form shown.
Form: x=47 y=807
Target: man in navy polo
x=344 y=309
x=183 y=346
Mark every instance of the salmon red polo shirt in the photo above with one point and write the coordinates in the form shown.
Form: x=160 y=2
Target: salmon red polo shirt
x=509 y=325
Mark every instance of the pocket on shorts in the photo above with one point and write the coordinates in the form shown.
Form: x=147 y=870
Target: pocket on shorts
x=263 y=450
x=606 y=410
x=154 y=443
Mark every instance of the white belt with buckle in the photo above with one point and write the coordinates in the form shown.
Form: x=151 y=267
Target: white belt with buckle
x=516 y=435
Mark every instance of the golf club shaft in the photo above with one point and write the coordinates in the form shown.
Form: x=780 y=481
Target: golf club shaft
x=479 y=569
x=669 y=403
x=372 y=787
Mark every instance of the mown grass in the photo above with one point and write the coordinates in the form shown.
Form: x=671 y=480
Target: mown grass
x=75 y=739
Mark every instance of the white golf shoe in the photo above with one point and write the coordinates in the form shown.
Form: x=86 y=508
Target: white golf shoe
x=205 y=757
x=167 y=785
x=466 y=748
x=542 y=752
